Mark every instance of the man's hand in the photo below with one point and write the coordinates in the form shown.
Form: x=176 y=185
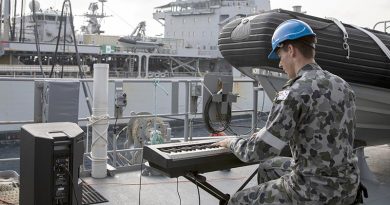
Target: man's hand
x=223 y=143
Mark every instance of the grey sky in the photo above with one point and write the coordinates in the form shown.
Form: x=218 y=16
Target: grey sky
x=127 y=13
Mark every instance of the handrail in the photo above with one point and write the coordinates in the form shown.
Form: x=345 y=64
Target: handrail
x=182 y=116
x=122 y=118
x=130 y=80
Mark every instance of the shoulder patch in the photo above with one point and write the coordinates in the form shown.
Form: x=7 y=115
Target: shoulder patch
x=282 y=95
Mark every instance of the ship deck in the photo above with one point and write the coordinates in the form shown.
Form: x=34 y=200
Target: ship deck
x=124 y=188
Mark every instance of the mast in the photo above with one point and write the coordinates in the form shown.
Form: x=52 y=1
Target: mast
x=14 y=21
x=94 y=18
x=21 y=29
x=6 y=14
x=1 y=18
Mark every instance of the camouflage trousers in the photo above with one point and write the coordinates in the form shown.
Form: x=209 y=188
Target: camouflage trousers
x=271 y=189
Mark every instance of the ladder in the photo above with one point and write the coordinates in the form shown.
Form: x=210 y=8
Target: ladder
x=131 y=64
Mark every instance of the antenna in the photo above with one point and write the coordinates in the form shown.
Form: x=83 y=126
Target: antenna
x=102 y=1
x=94 y=18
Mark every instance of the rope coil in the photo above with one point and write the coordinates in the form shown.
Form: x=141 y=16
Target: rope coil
x=92 y=121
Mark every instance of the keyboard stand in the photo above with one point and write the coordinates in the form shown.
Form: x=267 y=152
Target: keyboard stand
x=247 y=181
x=201 y=181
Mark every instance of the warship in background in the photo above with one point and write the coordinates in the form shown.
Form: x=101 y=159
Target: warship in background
x=188 y=48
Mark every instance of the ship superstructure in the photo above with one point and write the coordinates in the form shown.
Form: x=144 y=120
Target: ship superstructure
x=189 y=45
x=40 y=29
x=48 y=22
x=198 y=22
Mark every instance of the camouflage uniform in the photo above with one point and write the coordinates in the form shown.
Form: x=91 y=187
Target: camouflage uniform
x=315 y=115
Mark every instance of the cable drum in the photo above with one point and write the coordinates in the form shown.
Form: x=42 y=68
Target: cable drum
x=223 y=120
x=139 y=133
x=363 y=57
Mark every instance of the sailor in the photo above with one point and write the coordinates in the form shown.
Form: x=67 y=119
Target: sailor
x=313 y=115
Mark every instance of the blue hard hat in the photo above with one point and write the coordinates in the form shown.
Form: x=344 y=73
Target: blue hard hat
x=289 y=30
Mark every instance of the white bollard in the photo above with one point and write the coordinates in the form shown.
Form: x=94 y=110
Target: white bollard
x=99 y=121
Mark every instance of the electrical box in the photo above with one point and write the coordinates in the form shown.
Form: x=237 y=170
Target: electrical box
x=196 y=92
x=56 y=101
x=50 y=159
x=217 y=96
x=120 y=99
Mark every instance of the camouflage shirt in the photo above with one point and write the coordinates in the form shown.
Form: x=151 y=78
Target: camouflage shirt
x=315 y=115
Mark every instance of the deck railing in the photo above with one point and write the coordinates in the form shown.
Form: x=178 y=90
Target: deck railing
x=119 y=158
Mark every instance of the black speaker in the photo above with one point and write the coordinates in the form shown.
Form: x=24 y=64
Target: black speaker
x=50 y=159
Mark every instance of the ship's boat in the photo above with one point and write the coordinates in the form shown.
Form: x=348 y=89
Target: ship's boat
x=360 y=56
x=131 y=42
x=353 y=54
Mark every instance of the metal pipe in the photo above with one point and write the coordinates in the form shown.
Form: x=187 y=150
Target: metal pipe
x=87 y=140
x=126 y=80
x=16 y=122
x=190 y=129
x=113 y=118
x=146 y=66
x=384 y=25
x=186 y=106
x=1 y=14
x=121 y=150
x=139 y=65
x=21 y=29
x=14 y=21
x=114 y=147
x=6 y=19
x=255 y=101
x=9 y=159
x=86 y=145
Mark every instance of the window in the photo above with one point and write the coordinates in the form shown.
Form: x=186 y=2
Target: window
x=193 y=34
x=184 y=21
x=39 y=17
x=223 y=17
x=50 y=18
